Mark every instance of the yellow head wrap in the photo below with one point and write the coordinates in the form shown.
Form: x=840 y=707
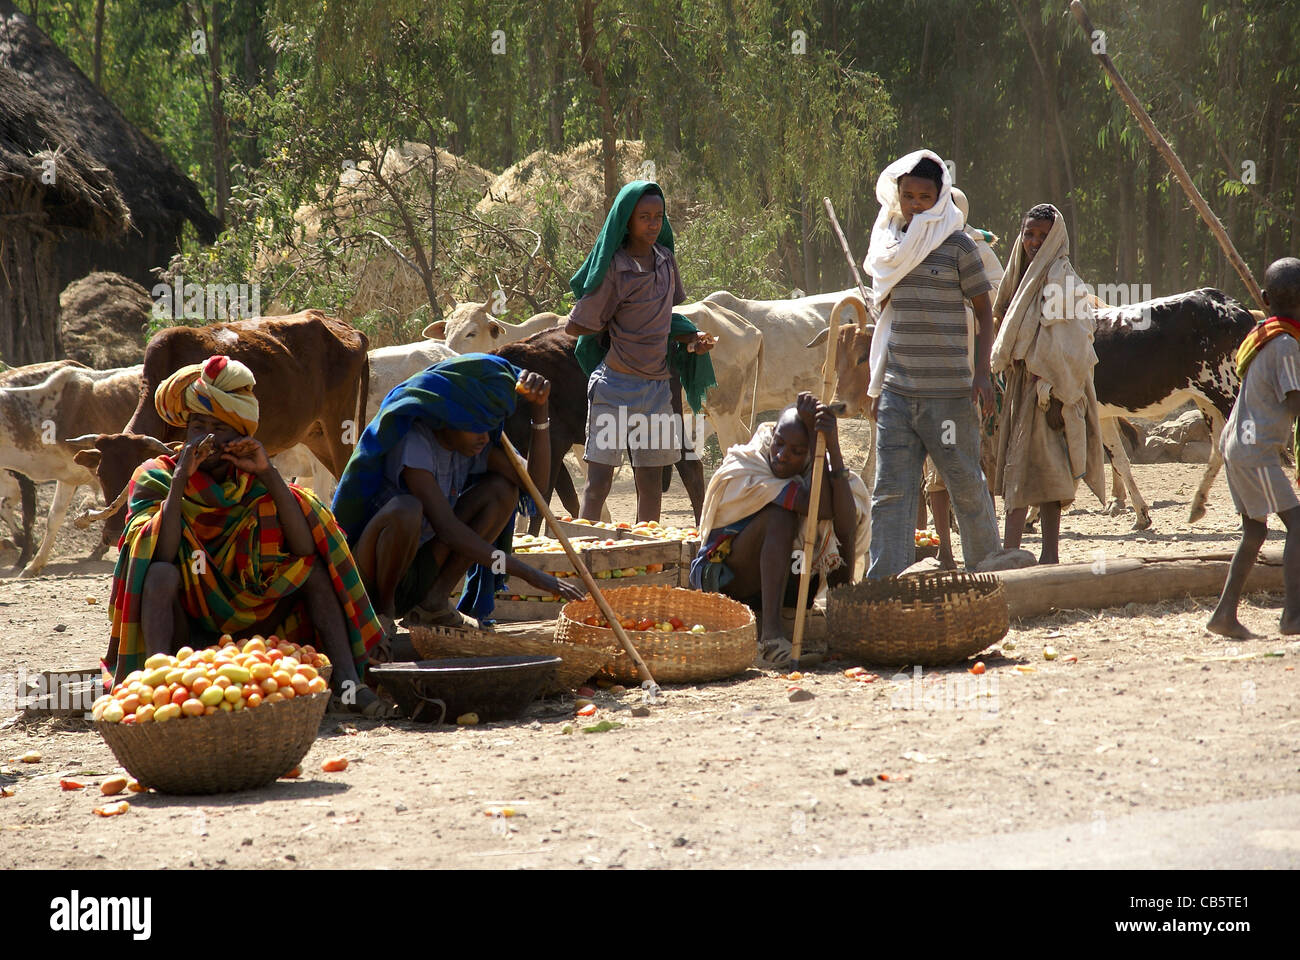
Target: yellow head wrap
x=219 y=387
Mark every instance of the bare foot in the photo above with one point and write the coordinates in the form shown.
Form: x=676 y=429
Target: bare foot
x=1226 y=626
x=443 y=617
x=1047 y=561
x=1289 y=626
x=946 y=562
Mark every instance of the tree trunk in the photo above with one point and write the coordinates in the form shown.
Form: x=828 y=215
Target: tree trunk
x=594 y=67
x=1153 y=255
x=920 y=79
x=554 y=104
x=98 y=55
x=1123 y=216
x=435 y=310
x=805 y=215
x=1273 y=123
x=216 y=104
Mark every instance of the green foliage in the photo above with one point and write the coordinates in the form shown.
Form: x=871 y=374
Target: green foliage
x=320 y=97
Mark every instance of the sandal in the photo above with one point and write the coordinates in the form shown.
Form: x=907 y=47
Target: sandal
x=775 y=653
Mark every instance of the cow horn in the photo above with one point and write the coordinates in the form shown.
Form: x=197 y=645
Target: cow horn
x=83 y=442
x=820 y=338
x=90 y=516
x=858 y=305
x=157 y=446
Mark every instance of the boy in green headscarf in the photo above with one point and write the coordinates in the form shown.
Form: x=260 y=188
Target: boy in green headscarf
x=626 y=289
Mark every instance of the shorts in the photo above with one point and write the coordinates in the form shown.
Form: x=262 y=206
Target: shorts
x=1260 y=489
x=625 y=412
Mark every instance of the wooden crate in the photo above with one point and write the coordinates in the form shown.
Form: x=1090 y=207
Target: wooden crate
x=60 y=693
x=600 y=560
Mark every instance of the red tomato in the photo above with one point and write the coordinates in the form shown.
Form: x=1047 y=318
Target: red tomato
x=978 y=668
x=645 y=624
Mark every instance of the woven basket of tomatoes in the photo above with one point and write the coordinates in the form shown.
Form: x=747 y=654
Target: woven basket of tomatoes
x=684 y=636
x=216 y=720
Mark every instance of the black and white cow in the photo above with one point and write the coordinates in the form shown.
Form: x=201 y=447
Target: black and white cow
x=1153 y=357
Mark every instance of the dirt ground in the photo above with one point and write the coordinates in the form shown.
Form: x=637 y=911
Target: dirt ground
x=728 y=774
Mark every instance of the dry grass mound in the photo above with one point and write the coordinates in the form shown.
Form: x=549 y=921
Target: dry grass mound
x=578 y=174
x=104 y=319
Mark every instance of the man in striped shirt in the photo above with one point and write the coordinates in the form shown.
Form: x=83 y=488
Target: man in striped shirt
x=923 y=390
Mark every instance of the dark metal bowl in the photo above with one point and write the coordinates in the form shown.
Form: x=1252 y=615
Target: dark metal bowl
x=495 y=688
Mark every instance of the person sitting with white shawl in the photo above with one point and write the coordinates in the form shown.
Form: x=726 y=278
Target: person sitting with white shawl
x=925 y=379
x=754 y=514
x=1049 y=436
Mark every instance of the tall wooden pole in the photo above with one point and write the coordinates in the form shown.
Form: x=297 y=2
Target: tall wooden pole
x=1166 y=151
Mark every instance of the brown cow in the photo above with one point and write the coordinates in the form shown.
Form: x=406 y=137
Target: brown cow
x=312 y=377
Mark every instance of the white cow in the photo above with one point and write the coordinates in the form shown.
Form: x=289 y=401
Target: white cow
x=785 y=366
x=471 y=328
x=71 y=400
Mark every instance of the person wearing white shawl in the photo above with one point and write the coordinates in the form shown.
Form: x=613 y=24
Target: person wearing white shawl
x=1049 y=437
x=935 y=490
x=925 y=377
x=754 y=513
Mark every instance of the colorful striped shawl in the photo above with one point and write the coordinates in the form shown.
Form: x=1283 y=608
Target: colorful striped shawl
x=235 y=569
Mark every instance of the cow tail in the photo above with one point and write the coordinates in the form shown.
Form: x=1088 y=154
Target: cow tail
x=27 y=491
x=1128 y=432
x=753 y=396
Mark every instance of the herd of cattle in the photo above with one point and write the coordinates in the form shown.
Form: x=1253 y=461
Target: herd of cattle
x=317 y=382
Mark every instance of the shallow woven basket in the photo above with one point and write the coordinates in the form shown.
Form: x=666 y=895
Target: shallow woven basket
x=930 y=620
x=578 y=662
x=726 y=648
x=220 y=753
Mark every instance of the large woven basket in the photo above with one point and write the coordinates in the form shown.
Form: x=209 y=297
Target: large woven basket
x=930 y=620
x=578 y=662
x=726 y=648
x=220 y=753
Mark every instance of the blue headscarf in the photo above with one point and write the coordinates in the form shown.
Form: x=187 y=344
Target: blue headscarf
x=474 y=392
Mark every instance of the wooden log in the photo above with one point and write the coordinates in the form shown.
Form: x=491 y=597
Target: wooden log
x=1036 y=591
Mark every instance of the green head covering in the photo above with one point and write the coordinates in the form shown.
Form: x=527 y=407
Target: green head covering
x=695 y=370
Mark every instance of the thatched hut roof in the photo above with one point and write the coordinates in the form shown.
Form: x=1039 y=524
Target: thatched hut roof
x=160 y=197
x=83 y=194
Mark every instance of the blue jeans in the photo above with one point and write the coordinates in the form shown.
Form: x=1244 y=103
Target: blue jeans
x=907 y=428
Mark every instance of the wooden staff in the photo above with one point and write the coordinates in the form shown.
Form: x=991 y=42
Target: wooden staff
x=522 y=470
x=1166 y=151
x=814 y=492
x=844 y=245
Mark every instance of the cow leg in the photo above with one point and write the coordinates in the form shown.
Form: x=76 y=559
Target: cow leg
x=1111 y=440
x=1119 y=462
x=1212 y=468
x=58 y=511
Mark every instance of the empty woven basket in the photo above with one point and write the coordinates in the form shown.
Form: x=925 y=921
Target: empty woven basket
x=931 y=620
